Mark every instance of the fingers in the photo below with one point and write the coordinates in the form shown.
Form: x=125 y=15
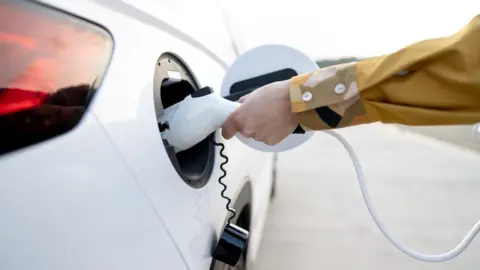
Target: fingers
x=230 y=127
x=268 y=140
x=234 y=125
x=248 y=135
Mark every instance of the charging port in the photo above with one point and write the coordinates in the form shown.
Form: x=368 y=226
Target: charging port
x=172 y=83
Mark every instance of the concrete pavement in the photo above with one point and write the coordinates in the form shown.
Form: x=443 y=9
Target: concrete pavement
x=427 y=193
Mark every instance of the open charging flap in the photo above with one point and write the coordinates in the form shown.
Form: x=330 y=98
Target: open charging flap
x=258 y=67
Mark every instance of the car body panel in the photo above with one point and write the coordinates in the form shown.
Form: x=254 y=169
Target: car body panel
x=73 y=204
x=121 y=132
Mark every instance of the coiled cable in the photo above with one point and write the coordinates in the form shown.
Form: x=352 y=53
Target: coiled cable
x=229 y=201
x=405 y=249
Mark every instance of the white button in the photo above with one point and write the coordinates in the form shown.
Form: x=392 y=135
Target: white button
x=307 y=96
x=339 y=89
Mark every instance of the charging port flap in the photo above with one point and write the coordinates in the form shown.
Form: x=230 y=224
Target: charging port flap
x=173 y=82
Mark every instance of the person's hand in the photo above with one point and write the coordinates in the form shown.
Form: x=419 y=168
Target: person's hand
x=264 y=115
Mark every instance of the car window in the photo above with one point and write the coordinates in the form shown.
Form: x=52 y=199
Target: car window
x=52 y=63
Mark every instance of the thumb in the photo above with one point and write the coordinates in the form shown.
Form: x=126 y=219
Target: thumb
x=230 y=127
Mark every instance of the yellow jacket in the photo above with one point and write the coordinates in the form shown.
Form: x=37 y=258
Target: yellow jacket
x=432 y=82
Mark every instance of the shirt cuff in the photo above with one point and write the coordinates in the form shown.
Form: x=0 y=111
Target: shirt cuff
x=327 y=98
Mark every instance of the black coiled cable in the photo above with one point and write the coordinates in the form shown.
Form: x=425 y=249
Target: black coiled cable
x=231 y=210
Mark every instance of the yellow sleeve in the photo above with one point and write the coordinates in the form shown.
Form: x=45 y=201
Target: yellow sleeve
x=432 y=82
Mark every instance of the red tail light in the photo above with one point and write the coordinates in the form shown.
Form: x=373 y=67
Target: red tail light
x=50 y=61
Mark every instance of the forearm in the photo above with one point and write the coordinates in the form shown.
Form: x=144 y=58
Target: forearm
x=433 y=82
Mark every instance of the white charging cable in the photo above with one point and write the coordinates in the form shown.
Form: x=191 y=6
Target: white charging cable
x=419 y=256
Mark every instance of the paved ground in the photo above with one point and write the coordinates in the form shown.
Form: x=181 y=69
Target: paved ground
x=427 y=193
x=462 y=136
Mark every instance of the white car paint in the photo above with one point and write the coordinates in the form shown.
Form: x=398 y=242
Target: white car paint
x=105 y=195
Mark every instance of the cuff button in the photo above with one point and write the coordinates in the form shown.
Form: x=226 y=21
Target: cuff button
x=307 y=96
x=339 y=89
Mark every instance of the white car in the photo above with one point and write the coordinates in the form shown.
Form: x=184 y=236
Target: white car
x=86 y=181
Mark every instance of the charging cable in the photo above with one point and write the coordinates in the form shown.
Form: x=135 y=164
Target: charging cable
x=187 y=126
x=366 y=197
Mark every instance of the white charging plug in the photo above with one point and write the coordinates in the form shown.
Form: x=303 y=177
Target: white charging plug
x=195 y=117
